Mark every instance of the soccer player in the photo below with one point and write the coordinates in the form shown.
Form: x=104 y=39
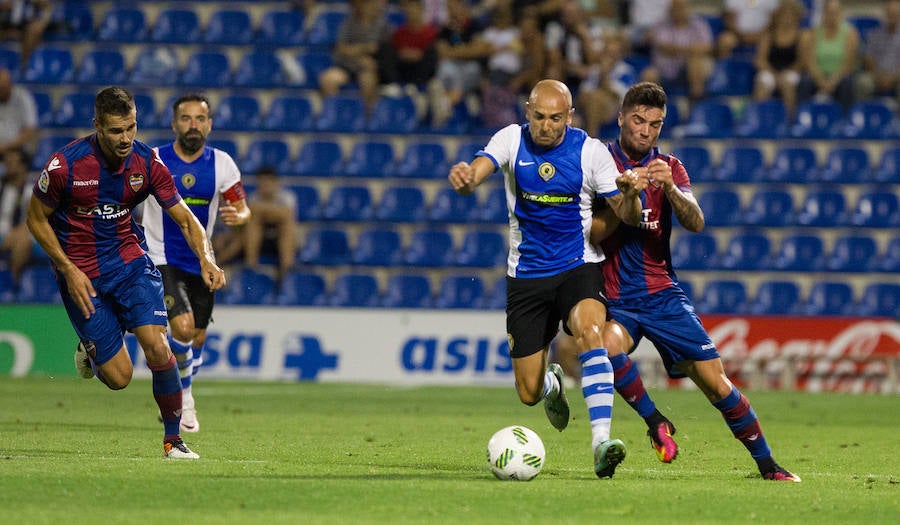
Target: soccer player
x=81 y=215
x=642 y=288
x=202 y=174
x=552 y=174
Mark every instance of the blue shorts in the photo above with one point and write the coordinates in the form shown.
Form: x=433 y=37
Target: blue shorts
x=125 y=300
x=667 y=319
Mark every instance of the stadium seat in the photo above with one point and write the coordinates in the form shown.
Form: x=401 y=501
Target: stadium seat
x=466 y=151
x=313 y=62
x=868 y=120
x=229 y=27
x=451 y=207
x=708 y=119
x=302 y=289
x=348 y=203
x=228 y=146
x=261 y=153
x=289 y=113
x=325 y=247
x=207 y=69
x=740 y=163
x=829 y=298
x=237 y=113
x=800 y=253
x=876 y=208
x=401 y=204
x=307 y=202
x=493 y=208
x=43 y=103
x=147 y=115
x=694 y=251
x=721 y=207
x=482 y=249
x=11 y=60
x=880 y=300
x=323 y=30
x=76 y=110
x=431 y=247
x=731 y=77
x=823 y=208
x=844 y=165
x=259 y=69
x=319 y=158
x=101 y=66
x=889 y=261
x=369 y=159
x=7 y=293
x=407 y=291
x=377 y=247
x=38 y=285
x=423 y=160
x=852 y=253
x=765 y=119
x=864 y=24
x=723 y=297
x=47 y=145
x=249 y=287
x=792 y=164
x=49 y=65
x=393 y=115
x=176 y=26
x=746 y=251
x=71 y=22
x=817 y=120
x=888 y=168
x=354 y=290
x=776 y=298
x=155 y=65
x=495 y=297
x=282 y=28
x=341 y=114
x=460 y=292
x=697 y=161
x=123 y=24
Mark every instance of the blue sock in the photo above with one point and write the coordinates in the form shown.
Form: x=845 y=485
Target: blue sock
x=597 y=389
x=197 y=352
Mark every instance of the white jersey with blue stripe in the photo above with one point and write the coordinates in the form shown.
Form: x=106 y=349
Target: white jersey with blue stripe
x=200 y=183
x=549 y=192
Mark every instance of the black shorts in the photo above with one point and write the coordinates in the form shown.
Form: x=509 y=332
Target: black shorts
x=186 y=292
x=534 y=307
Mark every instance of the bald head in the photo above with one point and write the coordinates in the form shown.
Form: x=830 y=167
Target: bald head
x=549 y=111
x=549 y=88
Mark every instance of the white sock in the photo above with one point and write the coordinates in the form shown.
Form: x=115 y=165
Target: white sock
x=597 y=388
x=551 y=386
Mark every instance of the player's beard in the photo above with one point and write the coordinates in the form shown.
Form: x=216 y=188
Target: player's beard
x=191 y=144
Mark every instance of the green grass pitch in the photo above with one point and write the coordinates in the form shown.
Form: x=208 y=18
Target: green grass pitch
x=73 y=452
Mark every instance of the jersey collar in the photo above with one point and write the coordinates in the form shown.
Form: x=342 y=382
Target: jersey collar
x=625 y=161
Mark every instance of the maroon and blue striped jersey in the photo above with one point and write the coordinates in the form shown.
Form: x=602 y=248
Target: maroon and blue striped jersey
x=93 y=203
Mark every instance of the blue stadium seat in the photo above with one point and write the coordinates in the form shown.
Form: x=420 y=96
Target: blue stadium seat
x=451 y=207
x=393 y=115
x=147 y=114
x=401 y=204
x=844 y=165
x=888 y=168
x=7 y=293
x=723 y=297
x=889 y=261
x=307 y=202
x=43 y=103
x=348 y=203
x=76 y=110
x=746 y=251
x=207 y=69
x=176 y=26
x=282 y=28
x=776 y=298
x=466 y=151
x=229 y=27
x=377 y=247
x=341 y=114
x=823 y=208
x=495 y=297
x=800 y=253
x=431 y=247
x=38 y=285
x=101 y=66
x=765 y=119
x=708 y=119
x=864 y=24
x=852 y=253
x=237 y=113
x=267 y=152
x=694 y=251
x=123 y=24
x=319 y=158
x=248 y=286
x=323 y=30
x=407 y=291
x=313 y=62
x=423 y=160
x=493 y=208
x=302 y=289
x=482 y=249
x=793 y=164
x=817 y=120
x=11 y=60
x=740 y=163
x=49 y=65
x=289 y=113
x=369 y=159
x=697 y=161
x=461 y=291
x=876 y=208
x=71 y=22
x=829 y=298
x=880 y=300
x=259 y=69
x=227 y=145
x=354 y=290
x=155 y=65
x=868 y=120
x=731 y=77
x=48 y=145
x=325 y=247
x=721 y=207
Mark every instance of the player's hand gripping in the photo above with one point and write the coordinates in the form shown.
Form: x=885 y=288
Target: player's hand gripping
x=659 y=173
x=213 y=276
x=462 y=177
x=631 y=182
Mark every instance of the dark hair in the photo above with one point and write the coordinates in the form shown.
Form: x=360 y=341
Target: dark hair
x=113 y=100
x=264 y=171
x=645 y=94
x=190 y=97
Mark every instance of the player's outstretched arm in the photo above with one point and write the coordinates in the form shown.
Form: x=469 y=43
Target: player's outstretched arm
x=465 y=177
x=193 y=231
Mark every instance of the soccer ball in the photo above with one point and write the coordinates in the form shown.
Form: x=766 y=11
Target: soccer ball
x=515 y=453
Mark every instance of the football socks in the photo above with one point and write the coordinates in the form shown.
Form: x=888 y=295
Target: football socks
x=167 y=392
x=597 y=388
x=743 y=423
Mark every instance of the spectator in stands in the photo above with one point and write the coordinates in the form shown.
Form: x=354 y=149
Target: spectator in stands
x=411 y=57
x=681 y=52
x=25 y=21
x=570 y=46
x=359 y=41
x=829 y=52
x=15 y=193
x=881 y=57
x=606 y=83
x=642 y=17
x=778 y=65
x=744 y=22
x=18 y=116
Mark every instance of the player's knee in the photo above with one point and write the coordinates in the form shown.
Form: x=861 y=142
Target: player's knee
x=529 y=394
x=116 y=380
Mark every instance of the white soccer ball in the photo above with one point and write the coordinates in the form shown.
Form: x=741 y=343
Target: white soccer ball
x=516 y=453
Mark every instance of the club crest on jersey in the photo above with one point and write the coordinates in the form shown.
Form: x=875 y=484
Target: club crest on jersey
x=136 y=180
x=44 y=181
x=546 y=171
x=188 y=180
